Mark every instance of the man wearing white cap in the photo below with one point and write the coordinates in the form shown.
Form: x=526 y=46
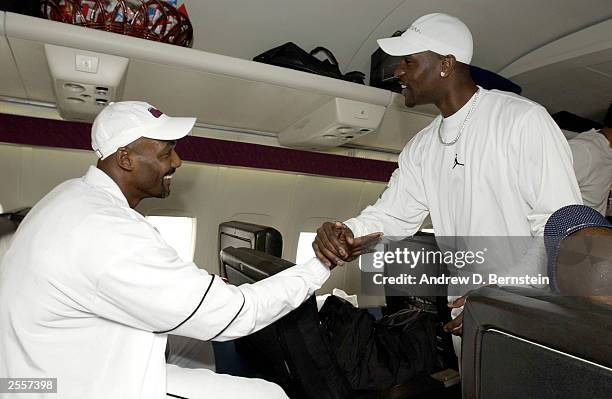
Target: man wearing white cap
x=492 y=164
x=89 y=289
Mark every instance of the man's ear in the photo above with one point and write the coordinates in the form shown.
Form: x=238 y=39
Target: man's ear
x=448 y=64
x=124 y=157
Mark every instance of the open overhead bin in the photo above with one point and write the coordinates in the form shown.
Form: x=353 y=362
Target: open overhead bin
x=81 y=69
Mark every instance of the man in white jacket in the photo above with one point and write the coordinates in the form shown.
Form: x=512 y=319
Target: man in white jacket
x=89 y=289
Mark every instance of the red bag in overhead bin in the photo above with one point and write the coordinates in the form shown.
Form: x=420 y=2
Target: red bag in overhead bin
x=152 y=19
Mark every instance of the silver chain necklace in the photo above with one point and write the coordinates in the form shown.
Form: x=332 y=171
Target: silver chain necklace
x=465 y=121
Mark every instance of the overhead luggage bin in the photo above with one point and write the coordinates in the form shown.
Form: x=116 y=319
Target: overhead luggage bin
x=10 y=83
x=220 y=91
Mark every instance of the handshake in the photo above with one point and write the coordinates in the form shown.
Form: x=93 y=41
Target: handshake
x=335 y=244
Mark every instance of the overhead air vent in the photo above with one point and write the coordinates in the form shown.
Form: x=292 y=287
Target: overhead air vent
x=84 y=81
x=338 y=122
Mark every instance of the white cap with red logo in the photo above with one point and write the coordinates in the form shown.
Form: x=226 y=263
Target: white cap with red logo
x=121 y=123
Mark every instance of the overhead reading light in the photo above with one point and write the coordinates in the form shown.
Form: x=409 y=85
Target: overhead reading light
x=338 y=122
x=84 y=81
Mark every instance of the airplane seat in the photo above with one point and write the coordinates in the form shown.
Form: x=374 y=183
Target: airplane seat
x=524 y=342
x=222 y=357
x=294 y=352
x=281 y=352
x=239 y=234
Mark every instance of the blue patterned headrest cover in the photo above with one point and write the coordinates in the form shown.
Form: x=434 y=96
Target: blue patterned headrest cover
x=564 y=222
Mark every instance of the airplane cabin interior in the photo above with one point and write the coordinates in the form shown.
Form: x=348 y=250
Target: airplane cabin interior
x=276 y=152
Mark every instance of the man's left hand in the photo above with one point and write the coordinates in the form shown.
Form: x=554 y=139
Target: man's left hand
x=455 y=326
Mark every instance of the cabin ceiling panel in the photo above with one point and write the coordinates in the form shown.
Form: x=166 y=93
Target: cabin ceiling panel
x=579 y=85
x=219 y=100
x=503 y=30
x=32 y=64
x=576 y=46
x=604 y=68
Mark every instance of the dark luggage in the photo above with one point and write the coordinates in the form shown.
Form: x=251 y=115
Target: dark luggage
x=430 y=298
x=293 y=352
x=290 y=55
x=25 y=7
x=338 y=353
x=376 y=355
x=574 y=123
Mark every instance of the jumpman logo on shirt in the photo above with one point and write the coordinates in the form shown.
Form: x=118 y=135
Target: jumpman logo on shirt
x=457 y=162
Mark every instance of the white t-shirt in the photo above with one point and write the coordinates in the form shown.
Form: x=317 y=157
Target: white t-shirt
x=593 y=167
x=509 y=171
x=88 y=289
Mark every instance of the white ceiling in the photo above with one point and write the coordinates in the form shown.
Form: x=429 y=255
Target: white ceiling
x=503 y=30
x=581 y=85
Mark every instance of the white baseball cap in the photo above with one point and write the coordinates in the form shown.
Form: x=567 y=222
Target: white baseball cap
x=120 y=123
x=440 y=33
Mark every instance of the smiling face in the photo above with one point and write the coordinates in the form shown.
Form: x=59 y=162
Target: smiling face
x=155 y=162
x=419 y=75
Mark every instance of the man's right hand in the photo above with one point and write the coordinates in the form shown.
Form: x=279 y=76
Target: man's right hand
x=335 y=244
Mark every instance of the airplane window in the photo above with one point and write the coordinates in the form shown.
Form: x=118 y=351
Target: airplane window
x=179 y=232
x=304 y=250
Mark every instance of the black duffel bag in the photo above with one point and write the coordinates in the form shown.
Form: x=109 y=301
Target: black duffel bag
x=290 y=55
x=378 y=354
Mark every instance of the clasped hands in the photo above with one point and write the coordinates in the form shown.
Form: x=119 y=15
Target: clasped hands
x=335 y=245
